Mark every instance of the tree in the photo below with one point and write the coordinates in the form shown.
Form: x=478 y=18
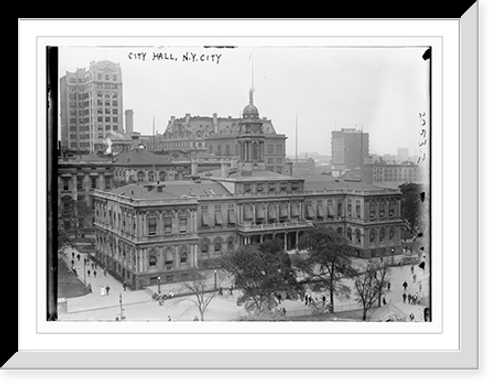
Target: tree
x=383 y=272
x=366 y=288
x=371 y=283
x=201 y=291
x=411 y=205
x=76 y=217
x=263 y=273
x=328 y=264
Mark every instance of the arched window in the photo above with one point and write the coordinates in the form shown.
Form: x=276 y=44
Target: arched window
x=349 y=234
x=184 y=258
x=217 y=248
x=140 y=176
x=382 y=234
x=153 y=261
x=372 y=236
x=204 y=250
x=391 y=234
x=230 y=244
x=357 y=233
x=169 y=259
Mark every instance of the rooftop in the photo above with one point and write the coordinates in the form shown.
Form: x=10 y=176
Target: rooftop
x=170 y=190
x=139 y=156
x=326 y=182
x=250 y=175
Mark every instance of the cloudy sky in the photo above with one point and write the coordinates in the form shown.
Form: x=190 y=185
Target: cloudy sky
x=379 y=89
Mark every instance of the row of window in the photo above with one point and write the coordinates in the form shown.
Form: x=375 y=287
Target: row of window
x=86 y=128
x=88 y=77
x=271 y=187
x=93 y=183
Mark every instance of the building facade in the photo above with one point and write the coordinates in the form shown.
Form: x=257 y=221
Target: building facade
x=91 y=104
x=156 y=231
x=350 y=148
x=381 y=172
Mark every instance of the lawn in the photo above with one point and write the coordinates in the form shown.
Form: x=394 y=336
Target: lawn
x=68 y=285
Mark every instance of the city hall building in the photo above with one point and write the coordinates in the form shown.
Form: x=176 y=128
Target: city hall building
x=150 y=232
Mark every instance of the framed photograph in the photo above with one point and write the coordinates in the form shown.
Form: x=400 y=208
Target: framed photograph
x=248 y=194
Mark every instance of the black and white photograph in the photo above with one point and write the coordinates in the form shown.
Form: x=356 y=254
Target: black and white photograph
x=245 y=183
x=297 y=196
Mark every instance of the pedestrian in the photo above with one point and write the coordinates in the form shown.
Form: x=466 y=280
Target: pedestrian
x=383 y=301
x=231 y=290
x=412 y=268
x=105 y=271
x=196 y=318
x=72 y=263
x=90 y=287
x=125 y=285
x=412 y=317
x=405 y=285
x=107 y=290
x=278 y=296
x=420 y=287
x=73 y=254
x=389 y=286
x=95 y=273
x=220 y=291
x=324 y=300
x=284 y=311
x=306 y=299
x=404 y=297
x=169 y=318
x=88 y=273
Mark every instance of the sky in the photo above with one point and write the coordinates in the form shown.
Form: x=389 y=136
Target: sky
x=308 y=90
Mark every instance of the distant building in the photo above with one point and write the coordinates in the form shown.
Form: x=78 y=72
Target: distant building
x=219 y=136
x=382 y=172
x=402 y=155
x=91 y=105
x=350 y=147
x=301 y=167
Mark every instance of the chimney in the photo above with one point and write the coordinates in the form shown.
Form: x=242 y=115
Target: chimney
x=224 y=169
x=194 y=167
x=135 y=140
x=129 y=121
x=215 y=123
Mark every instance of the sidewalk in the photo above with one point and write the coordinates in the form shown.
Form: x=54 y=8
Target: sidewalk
x=95 y=299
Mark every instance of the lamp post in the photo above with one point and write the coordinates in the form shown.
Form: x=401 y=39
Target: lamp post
x=215 y=279
x=159 y=288
x=84 y=272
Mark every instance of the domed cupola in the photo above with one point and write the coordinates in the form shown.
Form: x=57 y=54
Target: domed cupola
x=250 y=110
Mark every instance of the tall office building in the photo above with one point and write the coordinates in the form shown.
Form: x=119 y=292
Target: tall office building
x=402 y=154
x=91 y=104
x=349 y=148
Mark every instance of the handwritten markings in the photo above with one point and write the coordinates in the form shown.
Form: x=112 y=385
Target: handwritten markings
x=186 y=57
